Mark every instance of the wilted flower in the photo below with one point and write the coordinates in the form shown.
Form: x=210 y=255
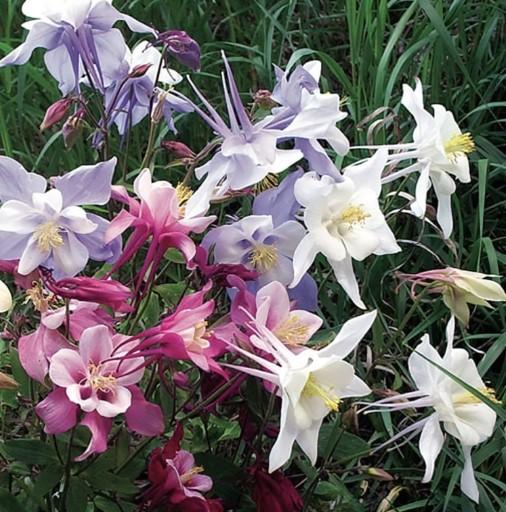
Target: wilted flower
x=464 y=416
x=182 y=47
x=77 y=36
x=344 y=222
x=311 y=384
x=175 y=480
x=458 y=288
x=51 y=229
x=5 y=298
x=72 y=127
x=55 y=113
x=178 y=149
x=91 y=380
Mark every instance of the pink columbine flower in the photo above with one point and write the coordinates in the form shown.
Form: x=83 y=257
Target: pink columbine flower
x=161 y=217
x=271 y=308
x=101 y=387
x=175 y=479
x=185 y=334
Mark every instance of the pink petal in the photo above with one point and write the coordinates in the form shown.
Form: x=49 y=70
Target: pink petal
x=95 y=344
x=84 y=396
x=200 y=483
x=115 y=402
x=58 y=414
x=118 y=225
x=278 y=304
x=144 y=417
x=99 y=428
x=67 y=368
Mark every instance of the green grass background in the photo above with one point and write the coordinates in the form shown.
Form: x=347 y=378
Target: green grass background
x=369 y=49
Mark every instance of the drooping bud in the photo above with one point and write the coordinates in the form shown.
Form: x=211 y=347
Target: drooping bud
x=182 y=47
x=379 y=474
x=55 y=113
x=263 y=99
x=72 y=128
x=178 y=149
x=139 y=71
x=7 y=382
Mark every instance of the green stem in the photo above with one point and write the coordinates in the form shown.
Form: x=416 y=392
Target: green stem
x=68 y=466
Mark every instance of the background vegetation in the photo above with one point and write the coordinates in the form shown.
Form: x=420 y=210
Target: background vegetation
x=369 y=48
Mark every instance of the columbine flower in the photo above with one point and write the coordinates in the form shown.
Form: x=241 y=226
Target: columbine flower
x=77 y=35
x=5 y=298
x=182 y=47
x=464 y=416
x=271 y=308
x=441 y=150
x=162 y=216
x=175 y=481
x=92 y=381
x=309 y=115
x=128 y=102
x=255 y=243
x=458 y=288
x=248 y=152
x=311 y=384
x=344 y=222
x=50 y=228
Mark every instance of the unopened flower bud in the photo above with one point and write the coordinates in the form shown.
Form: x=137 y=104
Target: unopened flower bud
x=139 y=71
x=178 y=149
x=379 y=474
x=72 y=128
x=55 y=113
x=182 y=47
x=263 y=99
x=7 y=382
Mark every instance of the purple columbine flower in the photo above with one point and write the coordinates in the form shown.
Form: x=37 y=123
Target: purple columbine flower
x=257 y=244
x=77 y=36
x=247 y=154
x=128 y=101
x=309 y=115
x=182 y=47
x=49 y=228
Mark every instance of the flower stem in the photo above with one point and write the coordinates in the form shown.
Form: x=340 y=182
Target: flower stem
x=68 y=466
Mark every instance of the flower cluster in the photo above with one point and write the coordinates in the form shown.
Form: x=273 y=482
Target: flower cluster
x=245 y=305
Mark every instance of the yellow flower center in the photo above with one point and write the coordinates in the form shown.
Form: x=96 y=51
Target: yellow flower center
x=40 y=299
x=186 y=477
x=105 y=383
x=459 y=145
x=48 y=236
x=264 y=257
x=183 y=193
x=354 y=215
x=314 y=388
x=467 y=398
x=292 y=331
x=270 y=181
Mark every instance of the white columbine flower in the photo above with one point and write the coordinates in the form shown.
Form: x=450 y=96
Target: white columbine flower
x=311 y=384
x=5 y=298
x=463 y=415
x=441 y=149
x=344 y=222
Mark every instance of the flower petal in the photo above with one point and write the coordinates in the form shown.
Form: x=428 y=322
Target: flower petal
x=57 y=412
x=431 y=443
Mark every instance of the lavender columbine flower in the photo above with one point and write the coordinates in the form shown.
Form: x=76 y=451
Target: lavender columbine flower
x=78 y=37
x=247 y=155
x=49 y=228
x=309 y=115
x=128 y=101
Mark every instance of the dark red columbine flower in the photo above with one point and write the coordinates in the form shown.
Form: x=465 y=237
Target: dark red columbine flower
x=175 y=482
x=178 y=149
x=56 y=112
x=274 y=492
x=88 y=289
x=182 y=47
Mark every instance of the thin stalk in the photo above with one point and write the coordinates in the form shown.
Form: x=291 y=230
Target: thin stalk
x=68 y=466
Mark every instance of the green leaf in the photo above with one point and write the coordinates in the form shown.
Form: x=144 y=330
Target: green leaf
x=347 y=445
x=171 y=292
x=30 y=451
x=9 y=503
x=47 y=480
x=106 y=481
x=77 y=497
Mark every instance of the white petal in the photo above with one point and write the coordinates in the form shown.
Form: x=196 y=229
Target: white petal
x=307 y=439
x=345 y=276
x=422 y=186
x=20 y=218
x=303 y=258
x=431 y=442
x=5 y=298
x=71 y=257
x=282 y=448
x=31 y=258
x=467 y=479
x=444 y=187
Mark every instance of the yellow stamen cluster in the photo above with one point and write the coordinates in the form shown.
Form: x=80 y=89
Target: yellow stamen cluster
x=354 y=215
x=459 y=145
x=105 y=383
x=467 y=398
x=292 y=331
x=314 y=388
x=270 y=181
x=264 y=257
x=48 y=236
x=186 y=477
x=40 y=299
x=183 y=193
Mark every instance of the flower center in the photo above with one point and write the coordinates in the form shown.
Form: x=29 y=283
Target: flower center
x=40 y=299
x=270 y=181
x=105 y=383
x=183 y=193
x=467 y=398
x=264 y=257
x=292 y=331
x=186 y=477
x=354 y=214
x=48 y=236
x=314 y=388
x=459 y=145
x=200 y=335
